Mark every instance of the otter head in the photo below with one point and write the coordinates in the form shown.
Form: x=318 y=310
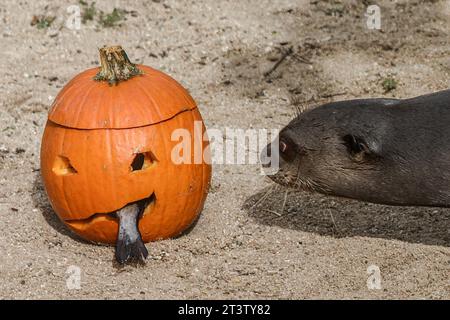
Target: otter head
x=332 y=149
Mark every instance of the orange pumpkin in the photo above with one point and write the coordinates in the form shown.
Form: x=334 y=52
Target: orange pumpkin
x=107 y=143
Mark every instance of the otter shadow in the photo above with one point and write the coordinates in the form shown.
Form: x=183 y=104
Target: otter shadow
x=340 y=218
x=42 y=203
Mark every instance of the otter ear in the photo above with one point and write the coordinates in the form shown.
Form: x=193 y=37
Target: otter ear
x=357 y=147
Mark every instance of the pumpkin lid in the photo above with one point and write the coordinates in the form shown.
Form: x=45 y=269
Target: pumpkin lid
x=96 y=99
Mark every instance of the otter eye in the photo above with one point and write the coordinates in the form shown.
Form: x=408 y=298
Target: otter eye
x=355 y=144
x=359 y=149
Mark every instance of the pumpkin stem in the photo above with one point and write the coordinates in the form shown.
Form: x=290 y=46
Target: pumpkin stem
x=115 y=66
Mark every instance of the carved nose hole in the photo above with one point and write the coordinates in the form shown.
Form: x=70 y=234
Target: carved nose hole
x=63 y=167
x=142 y=161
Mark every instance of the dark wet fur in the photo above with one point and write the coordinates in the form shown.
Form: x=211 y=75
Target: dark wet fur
x=384 y=151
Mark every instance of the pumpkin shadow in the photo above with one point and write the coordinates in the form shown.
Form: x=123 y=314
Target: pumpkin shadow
x=341 y=218
x=41 y=202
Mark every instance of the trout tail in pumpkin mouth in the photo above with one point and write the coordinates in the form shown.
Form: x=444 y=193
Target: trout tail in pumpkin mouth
x=129 y=243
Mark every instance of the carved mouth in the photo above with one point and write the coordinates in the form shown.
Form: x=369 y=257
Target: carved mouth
x=146 y=204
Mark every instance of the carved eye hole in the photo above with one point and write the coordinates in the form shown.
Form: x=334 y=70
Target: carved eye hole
x=63 y=167
x=142 y=161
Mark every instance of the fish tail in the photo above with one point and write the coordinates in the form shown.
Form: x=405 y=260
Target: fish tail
x=127 y=249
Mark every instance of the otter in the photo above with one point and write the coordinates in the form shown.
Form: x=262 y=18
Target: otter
x=387 y=151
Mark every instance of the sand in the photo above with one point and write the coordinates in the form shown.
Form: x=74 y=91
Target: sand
x=313 y=246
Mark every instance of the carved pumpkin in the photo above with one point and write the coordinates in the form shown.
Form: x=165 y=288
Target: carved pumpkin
x=107 y=143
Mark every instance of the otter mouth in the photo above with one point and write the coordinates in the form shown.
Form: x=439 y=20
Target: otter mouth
x=146 y=204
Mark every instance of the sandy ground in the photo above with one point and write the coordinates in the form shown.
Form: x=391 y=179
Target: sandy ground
x=320 y=247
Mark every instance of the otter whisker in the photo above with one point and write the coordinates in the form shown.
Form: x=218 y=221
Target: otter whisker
x=334 y=222
x=299 y=105
x=263 y=197
x=274 y=212
x=284 y=201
